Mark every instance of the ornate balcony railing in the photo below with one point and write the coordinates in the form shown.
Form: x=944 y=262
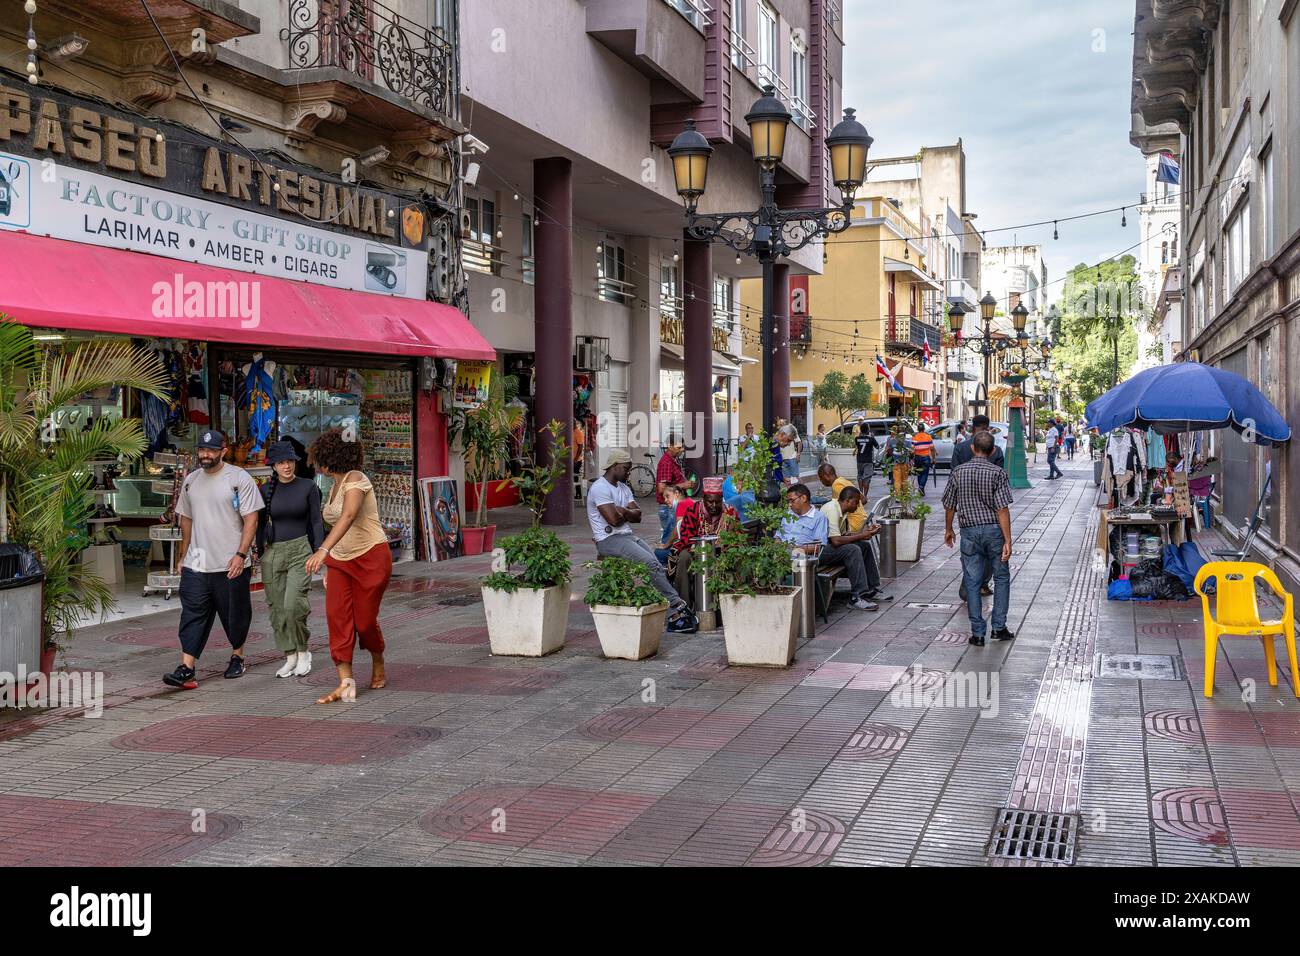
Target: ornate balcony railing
x=364 y=37
x=909 y=332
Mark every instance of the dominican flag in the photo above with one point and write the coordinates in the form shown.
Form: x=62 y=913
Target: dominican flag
x=925 y=354
x=1167 y=169
x=883 y=371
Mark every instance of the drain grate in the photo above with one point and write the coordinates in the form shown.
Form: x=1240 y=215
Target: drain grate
x=1137 y=666
x=1034 y=835
x=461 y=600
x=925 y=606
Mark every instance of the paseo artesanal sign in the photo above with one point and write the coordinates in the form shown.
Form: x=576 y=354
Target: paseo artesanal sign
x=73 y=170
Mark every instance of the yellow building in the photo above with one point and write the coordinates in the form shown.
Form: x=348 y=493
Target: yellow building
x=875 y=297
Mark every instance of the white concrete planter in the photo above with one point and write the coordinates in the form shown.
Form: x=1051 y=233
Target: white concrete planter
x=528 y=622
x=845 y=462
x=759 y=629
x=910 y=533
x=630 y=633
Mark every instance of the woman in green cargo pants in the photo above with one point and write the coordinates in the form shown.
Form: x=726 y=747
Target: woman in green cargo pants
x=290 y=531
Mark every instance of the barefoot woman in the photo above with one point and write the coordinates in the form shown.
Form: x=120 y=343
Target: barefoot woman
x=357 y=556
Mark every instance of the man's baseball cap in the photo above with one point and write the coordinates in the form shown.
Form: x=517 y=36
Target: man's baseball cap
x=618 y=457
x=211 y=438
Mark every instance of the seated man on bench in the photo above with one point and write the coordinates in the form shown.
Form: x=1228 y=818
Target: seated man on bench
x=839 y=516
x=807 y=528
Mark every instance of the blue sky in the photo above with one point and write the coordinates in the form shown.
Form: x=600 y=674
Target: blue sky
x=1043 y=116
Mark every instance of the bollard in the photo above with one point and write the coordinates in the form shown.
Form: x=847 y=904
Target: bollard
x=888 y=539
x=706 y=602
x=804 y=569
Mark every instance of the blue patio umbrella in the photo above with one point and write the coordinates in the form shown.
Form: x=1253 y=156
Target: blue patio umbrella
x=1189 y=396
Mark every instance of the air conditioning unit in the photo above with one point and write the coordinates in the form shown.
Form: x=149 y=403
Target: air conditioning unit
x=591 y=354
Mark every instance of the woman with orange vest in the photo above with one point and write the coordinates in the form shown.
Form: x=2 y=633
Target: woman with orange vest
x=923 y=456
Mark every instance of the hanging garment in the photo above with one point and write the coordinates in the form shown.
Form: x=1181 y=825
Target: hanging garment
x=196 y=362
x=258 y=403
x=1155 y=449
x=153 y=421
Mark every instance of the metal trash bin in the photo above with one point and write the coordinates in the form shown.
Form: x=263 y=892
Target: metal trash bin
x=22 y=581
x=804 y=569
x=704 y=600
x=888 y=542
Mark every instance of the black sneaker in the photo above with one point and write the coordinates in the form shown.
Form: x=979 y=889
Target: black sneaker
x=976 y=639
x=1002 y=634
x=684 y=622
x=182 y=677
x=235 y=668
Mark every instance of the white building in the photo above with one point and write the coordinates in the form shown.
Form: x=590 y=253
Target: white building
x=1158 y=220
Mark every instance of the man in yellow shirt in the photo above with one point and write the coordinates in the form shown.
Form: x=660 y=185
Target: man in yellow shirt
x=827 y=475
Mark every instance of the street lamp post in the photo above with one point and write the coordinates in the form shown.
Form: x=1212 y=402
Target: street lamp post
x=769 y=232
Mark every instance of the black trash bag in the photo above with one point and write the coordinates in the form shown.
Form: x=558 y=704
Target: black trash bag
x=1150 y=580
x=19 y=566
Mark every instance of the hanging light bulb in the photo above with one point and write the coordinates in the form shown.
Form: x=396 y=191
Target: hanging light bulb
x=1123 y=216
x=516 y=197
x=31 y=63
x=30 y=7
x=1055 y=234
x=737 y=260
x=31 y=39
x=599 y=248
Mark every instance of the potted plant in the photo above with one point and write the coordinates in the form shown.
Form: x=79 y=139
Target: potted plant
x=758 y=607
x=841 y=452
x=536 y=481
x=486 y=431
x=528 y=610
x=629 y=613
x=44 y=486
x=907 y=506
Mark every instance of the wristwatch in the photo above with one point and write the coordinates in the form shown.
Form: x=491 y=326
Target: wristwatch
x=241 y=555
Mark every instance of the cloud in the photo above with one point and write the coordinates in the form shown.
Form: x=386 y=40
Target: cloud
x=1043 y=113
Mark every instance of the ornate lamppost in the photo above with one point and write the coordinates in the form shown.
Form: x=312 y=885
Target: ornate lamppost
x=769 y=232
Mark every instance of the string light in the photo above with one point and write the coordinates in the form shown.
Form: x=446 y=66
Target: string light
x=1055 y=234
x=1123 y=216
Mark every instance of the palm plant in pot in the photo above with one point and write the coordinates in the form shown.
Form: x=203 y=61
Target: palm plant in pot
x=486 y=432
x=528 y=610
x=749 y=576
x=629 y=613
x=44 y=488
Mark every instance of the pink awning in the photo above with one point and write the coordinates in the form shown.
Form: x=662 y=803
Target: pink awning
x=53 y=283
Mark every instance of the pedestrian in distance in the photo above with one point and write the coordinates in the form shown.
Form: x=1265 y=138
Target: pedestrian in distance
x=217 y=506
x=922 y=456
x=611 y=512
x=357 y=559
x=289 y=531
x=818 y=442
x=669 y=472
x=865 y=446
x=978 y=495
x=1052 y=441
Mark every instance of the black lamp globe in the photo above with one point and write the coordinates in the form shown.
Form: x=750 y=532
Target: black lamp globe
x=690 y=154
x=848 y=143
x=1019 y=315
x=768 y=120
x=988 y=305
x=956 y=316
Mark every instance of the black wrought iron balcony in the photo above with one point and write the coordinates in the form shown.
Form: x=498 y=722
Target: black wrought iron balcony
x=909 y=332
x=375 y=44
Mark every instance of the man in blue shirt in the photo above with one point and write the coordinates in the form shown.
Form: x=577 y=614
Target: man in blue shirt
x=807 y=528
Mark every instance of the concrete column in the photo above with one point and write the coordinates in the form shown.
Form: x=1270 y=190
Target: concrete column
x=697 y=276
x=780 y=384
x=553 y=317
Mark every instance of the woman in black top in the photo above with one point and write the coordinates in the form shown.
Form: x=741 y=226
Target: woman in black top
x=290 y=531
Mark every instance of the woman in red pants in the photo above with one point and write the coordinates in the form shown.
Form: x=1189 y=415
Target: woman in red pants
x=358 y=560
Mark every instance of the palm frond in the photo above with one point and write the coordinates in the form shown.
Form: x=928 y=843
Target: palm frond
x=101 y=364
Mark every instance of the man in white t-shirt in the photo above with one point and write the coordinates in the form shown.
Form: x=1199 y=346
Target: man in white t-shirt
x=611 y=512
x=1052 y=440
x=217 y=506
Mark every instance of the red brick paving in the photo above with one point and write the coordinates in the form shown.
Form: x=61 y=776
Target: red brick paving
x=290 y=739
x=166 y=637
x=35 y=831
x=447 y=679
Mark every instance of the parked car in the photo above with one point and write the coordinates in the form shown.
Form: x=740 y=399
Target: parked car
x=945 y=439
x=879 y=427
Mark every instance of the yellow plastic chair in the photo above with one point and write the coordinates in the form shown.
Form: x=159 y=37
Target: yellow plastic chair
x=1237 y=613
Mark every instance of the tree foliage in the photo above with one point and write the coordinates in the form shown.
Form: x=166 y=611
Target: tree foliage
x=1096 y=334
x=842 y=395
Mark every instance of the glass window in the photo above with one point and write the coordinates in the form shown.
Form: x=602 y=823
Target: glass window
x=768 y=67
x=738 y=34
x=799 y=85
x=1266 y=199
x=529 y=263
x=668 y=286
x=1236 y=252
x=613 y=273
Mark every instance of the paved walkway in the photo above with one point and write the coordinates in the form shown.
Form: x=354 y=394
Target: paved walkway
x=574 y=759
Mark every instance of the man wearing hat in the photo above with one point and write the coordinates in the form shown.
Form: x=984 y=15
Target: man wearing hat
x=611 y=512
x=707 y=517
x=218 y=507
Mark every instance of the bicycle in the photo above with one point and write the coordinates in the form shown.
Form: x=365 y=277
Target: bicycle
x=641 y=479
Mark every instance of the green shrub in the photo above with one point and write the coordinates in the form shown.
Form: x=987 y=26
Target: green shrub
x=619 y=582
x=542 y=556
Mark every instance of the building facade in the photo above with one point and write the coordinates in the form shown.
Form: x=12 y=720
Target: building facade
x=264 y=193
x=1226 y=74
x=1158 y=220
x=573 y=232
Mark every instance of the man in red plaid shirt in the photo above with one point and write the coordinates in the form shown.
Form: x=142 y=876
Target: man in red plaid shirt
x=669 y=472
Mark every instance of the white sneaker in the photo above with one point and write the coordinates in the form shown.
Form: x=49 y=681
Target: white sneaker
x=286 y=670
x=304 y=664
